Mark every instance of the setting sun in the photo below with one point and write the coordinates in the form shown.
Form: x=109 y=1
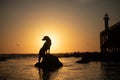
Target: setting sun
x=67 y=23
x=59 y=39
x=55 y=39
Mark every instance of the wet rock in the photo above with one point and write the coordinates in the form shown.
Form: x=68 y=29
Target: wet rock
x=49 y=62
x=3 y=58
x=85 y=59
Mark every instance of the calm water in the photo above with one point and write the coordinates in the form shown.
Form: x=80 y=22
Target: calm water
x=23 y=69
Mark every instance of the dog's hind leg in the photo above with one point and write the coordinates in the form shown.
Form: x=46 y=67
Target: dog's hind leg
x=39 y=58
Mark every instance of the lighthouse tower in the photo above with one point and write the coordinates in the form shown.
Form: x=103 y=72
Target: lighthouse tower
x=106 y=19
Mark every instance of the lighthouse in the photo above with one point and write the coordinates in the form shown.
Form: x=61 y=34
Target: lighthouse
x=106 y=20
x=110 y=37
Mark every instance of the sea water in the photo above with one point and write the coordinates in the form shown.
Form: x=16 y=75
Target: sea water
x=23 y=69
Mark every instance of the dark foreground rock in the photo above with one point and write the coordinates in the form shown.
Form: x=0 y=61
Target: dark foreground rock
x=49 y=62
x=3 y=58
x=85 y=59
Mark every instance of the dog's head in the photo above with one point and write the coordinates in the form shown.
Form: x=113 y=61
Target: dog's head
x=46 y=38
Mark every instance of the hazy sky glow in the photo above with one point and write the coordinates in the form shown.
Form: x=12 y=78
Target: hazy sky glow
x=73 y=25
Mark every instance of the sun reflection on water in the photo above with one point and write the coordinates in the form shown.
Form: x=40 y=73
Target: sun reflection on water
x=24 y=69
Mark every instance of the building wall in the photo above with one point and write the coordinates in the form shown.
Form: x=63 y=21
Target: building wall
x=110 y=40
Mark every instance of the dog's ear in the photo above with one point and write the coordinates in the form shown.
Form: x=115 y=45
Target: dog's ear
x=46 y=38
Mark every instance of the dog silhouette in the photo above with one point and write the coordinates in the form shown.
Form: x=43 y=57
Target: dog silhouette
x=45 y=48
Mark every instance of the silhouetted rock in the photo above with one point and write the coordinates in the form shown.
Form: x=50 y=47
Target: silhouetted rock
x=49 y=62
x=107 y=57
x=85 y=59
x=3 y=58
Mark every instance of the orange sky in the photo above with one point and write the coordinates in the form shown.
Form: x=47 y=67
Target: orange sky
x=72 y=25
